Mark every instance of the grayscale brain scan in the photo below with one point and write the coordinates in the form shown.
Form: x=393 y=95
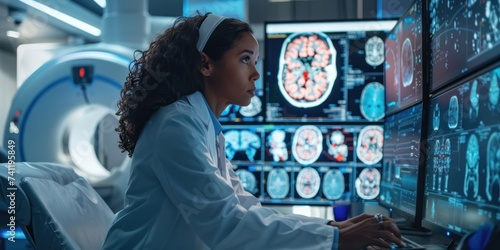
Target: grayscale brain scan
x=307 y=69
x=374 y=49
x=307 y=183
x=373 y=101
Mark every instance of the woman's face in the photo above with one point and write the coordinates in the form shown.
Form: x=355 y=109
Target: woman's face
x=233 y=78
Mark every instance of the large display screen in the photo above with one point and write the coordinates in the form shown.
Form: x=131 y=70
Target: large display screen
x=465 y=35
x=462 y=183
x=306 y=163
x=403 y=74
x=325 y=71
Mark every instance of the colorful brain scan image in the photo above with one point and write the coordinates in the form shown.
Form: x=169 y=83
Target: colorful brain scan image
x=370 y=143
x=307 y=183
x=248 y=180
x=368 y=183
x=278 y=183
x=277 y=145
x=373 y=101
x=333 y=184
x=407 y=63
x=374 y=49
x=307 y=144
x=337 y=147
x=307 y=69
x=242 y=140
x=453 y=112
x=253 y=109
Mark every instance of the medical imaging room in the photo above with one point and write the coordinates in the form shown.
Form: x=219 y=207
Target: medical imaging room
x=375 y=107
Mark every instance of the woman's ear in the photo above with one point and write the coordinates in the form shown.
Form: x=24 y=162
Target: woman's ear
x=206 y=65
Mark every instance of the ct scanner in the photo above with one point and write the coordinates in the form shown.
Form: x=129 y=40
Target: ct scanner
x=65 y=111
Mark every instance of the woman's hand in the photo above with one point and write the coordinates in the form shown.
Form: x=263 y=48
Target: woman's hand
x=368 y=230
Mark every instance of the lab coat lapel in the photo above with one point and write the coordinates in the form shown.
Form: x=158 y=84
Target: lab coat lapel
x=197 y=101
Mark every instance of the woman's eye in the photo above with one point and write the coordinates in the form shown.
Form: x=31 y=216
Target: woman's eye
x=245 y=60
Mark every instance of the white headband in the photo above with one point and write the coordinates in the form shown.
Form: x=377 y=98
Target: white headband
x=206 y=29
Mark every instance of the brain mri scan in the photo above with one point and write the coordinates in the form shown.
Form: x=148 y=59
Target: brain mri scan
x=453 y=112
x=278 y=183
x=407 y=63
x=368 y=183
x=471 y=180
x=369 y=146
x=253 y=109
x=374 y=49
x=337 y=147
x=307 y=144
x=333 y=184
x=493 y=165
x=243 y=140
x=436 y=117
x=474 y=102
x=373 y=101
x=307 y=183
x=307 y=69
x=494 y=91
x=248 y=180
x=277 y=145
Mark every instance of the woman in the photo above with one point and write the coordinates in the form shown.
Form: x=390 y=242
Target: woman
x=183 y=193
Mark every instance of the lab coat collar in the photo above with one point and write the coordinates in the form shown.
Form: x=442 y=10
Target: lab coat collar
x=198 y=100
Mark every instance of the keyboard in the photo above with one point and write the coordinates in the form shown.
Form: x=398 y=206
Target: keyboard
x=409 y=245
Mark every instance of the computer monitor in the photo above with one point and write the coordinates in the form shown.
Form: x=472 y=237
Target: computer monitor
x=401 y=163
x=462 y=182
x=404 y=75
x=325 y=71
x=464 y=35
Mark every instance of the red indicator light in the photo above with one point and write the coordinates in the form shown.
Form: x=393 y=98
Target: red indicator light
x=81 y=72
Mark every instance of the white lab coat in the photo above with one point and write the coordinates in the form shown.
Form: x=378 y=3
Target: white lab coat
x=178 y=199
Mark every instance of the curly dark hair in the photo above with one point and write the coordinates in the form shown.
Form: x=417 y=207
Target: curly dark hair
x=169 y=70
